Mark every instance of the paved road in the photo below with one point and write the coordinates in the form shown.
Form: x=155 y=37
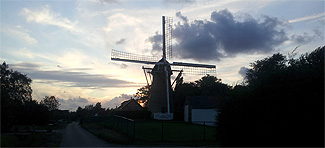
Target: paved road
x=75 y=136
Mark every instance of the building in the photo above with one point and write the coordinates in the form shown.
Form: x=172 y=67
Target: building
x=130 y=105
x=200 y=109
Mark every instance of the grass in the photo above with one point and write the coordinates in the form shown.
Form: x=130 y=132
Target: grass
x=152 y=132
x=24 y=137
x=173 y=131
x=32 y=140
x=106 y=134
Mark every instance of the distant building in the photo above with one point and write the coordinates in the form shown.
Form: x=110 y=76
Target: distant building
x=130 y=105
x=200 y=109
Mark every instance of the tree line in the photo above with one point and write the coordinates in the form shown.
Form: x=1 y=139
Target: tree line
x=280 y=102
x=17 y=105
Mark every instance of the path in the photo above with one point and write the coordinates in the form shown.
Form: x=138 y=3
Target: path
x=75 y=136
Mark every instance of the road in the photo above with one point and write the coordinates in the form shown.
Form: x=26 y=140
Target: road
x=75 y=136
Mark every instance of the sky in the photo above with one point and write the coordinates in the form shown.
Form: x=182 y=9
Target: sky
x=65 y=46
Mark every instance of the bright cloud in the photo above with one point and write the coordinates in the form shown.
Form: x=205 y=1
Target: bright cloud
x=20 y=33
x=306 y=18
x=46 y=17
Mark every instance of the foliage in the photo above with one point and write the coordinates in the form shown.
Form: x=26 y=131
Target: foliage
x=206 y=86
x=143 y=94
x=50 y=102
x=282 y=104
x=15 y=86
x=17 y=106
x=91 y=110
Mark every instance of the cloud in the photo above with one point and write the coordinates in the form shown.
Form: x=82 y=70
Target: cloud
x=179 y=1
x=224 y=36
x=156 y=42
x=25 y=65
x=183 y=18
x=115 y=102
x=46 y=17
x=105 y=1
x=306 y=38
x=120 y=20
x=242 y=71
x=306 y=18
x=20 y=33
x=73 y=103
x=75 y=79
x=121 y=41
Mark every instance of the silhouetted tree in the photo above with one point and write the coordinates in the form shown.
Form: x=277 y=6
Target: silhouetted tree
x=206 y=86
x=143 y=94
x=98 y=109
x=212 y=86
x=282 y=104
x=15 y=91
x=50 y=102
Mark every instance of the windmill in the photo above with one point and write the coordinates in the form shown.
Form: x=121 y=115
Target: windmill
x=160 y=99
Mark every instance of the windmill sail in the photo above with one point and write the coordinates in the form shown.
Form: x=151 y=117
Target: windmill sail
x=168 y=36
x=161 y=104
x=129 y=57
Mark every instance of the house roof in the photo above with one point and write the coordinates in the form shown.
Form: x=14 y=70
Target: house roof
x=202 y=102
x=126 y=103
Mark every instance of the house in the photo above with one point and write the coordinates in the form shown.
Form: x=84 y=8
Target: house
x=130 y=105
x=132 y=109
x=200 y=109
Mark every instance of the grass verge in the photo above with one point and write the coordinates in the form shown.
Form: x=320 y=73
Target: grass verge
x=107 y=134
x=154 y=133
x=32 y=140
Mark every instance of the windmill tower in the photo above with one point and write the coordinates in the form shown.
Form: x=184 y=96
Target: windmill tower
x=160 y=99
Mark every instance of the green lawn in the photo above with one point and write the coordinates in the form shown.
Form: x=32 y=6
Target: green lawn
x=154 y=131
x=24 y=137
x=172 y=131
x=32 y=140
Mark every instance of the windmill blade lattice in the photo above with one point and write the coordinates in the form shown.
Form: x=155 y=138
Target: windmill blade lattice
x=168 y=36
x=194 y=70
x=129 y=57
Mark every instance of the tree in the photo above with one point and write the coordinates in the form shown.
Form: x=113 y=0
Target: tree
x=143 y=94
x=98 y=109
x=50 y=102
x=282 y=104
x=212 y=86
x=15 y=91
x=206 y=86
x=15 y=85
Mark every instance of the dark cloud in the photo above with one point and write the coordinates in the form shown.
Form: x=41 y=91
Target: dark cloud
x=224 y=36
x=242 y=71
x=121 y=41
x=306 y=38
x=183 y=18
x=156 y=42
x=76 y=79
x=121 y=65
x=25 y=65
x=115 y=102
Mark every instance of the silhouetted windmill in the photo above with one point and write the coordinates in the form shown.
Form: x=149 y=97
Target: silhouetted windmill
x=160 y=99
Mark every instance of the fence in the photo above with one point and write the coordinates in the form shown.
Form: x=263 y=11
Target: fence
x=154 y=130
